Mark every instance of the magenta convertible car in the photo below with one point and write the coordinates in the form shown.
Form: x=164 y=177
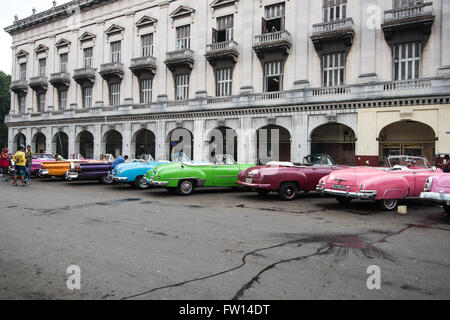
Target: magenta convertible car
x=437 y=189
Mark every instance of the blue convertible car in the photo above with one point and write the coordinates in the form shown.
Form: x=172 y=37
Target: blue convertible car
x=135 y=172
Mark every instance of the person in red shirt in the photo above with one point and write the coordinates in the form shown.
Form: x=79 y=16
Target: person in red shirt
x=4 y=164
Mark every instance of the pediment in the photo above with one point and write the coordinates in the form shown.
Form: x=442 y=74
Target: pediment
x=87 y=36
x=219 y=3
x=41 y=48
x=146 y=21
x=181 y=11
x=21 y=53
x=114 y=29
x=62 y=43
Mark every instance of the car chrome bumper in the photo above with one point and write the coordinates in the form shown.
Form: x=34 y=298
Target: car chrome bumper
x=43 y=172
x=436 y=197
x=71 y=176
x=365 y=195
x=119 y=179
x=158 y=183
x=253 y=185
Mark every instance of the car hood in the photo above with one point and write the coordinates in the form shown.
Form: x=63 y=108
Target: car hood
x=354 y=176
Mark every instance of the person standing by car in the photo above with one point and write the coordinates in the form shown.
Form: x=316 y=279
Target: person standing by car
x=446 y=164
x=29 y=156
x=20 y=162
x=118 y=161
x=4 y=164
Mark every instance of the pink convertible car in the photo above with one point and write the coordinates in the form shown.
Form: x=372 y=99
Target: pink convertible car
x=404 y=178
x=437 y=189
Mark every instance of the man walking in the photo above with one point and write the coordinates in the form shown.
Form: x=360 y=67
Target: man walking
x=20 y=162
x=29 y=156
x=4 y=164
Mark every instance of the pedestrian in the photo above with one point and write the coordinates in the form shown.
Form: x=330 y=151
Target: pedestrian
x=58 y=157
x=4 y=164
x=20 y=162
x=29 y=156
x=446 y=163
x=118 y=161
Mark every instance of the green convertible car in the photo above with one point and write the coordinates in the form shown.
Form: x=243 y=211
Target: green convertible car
x=186 y=177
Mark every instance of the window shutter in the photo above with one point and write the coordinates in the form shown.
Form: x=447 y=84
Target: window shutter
x=214 y=35
x=263 y=25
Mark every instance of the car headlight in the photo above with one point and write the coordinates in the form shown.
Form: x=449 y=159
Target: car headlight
x=253 y=173
x=428 y=184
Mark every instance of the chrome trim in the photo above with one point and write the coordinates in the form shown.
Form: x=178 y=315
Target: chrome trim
x=436 y=196
x=365 y=195
x=157 y=183
x=120 y=179
x=227 y=176
x=71 y=176
x=43 y=172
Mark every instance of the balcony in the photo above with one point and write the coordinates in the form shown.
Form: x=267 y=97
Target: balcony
x=84 y=75
x=274 y=41
x=143 y=65
x=334 y=31
x=19 y=86
x=228 y=50
x=61 y=79
x=180 y=58
x=38 y=83
x=419 y=17
x=112 y=70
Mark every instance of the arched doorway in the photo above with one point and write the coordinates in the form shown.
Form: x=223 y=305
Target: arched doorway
x=113 y=143
x=181 y=140
x=85 y=143
x=407 y=137
x=336 y=140
x=40 y=143
x=61 y=144
x=222 y=140
x=20 y=140
x=273 y=144
x=145 y=143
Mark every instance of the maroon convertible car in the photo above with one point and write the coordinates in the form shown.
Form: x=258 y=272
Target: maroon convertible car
x=288 y=179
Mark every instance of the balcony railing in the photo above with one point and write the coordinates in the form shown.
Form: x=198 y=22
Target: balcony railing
x=222 y=46
x=60 y=79
x=183 y=57
x=112 y=69
x=38 y=83
x=84 y=74
x=142 y=64
x=423 y=9
x=333 y=26
x=19 y=86
x=273 y=37
x=407 y=84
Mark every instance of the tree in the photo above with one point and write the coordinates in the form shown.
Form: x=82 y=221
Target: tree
x=5 y=104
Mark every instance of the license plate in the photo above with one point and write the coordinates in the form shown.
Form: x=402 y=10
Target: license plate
x=339 y=187
x=249 y=180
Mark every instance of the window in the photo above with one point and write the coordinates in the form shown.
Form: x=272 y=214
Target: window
x=62 y=99
x=273 y=76
x=23 y=71
x=63 y=60
x=146 y=90
x=42 y=67
x=88 y=57
x=274 y=20
x=225 y=27
x=224 y=82
x=333 y=69
x=184 y=37
x=41 y=102
x=182 y=87
x=334 y=10
x=406 y=3
x=147 y=45
x=22 y=103
x=114 y=94
x=116 y=48
x=407 y=58
x=87 y=97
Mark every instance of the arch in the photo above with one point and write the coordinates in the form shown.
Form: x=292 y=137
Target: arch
x=39 y=143
x=335 y=139
x=113 y=143
x=273 y=144
x=407 y=137
x=228 y=142
x=85 y=144
x=177 y=143
x=60 y=144
x=144 y=143
x=19 y=140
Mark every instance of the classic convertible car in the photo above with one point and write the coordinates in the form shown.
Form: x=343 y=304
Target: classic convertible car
x=186 y=177
x=59 y=168
x=91 y=171
x=404 y=178
x=286 y=178
x=135 y=172
x=437 y=189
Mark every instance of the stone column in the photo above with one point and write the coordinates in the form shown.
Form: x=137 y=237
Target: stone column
x=161 y=37
x=368 y=42
x=72 y=140
x=199 y=137
x=75 y=62
x=246 y=44
x=97 y=141
x=246 y=141
x=201 y=26
x=100 y=50
x=51 y=98
x=127 y=52
x=126 y=142
x=161 y=151
x=301 y=43
x=299 y=146
x=444 y=70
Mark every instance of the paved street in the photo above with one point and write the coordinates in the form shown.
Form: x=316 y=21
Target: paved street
x=216 y=244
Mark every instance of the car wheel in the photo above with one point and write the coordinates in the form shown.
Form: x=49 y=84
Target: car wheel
x=447 y=209
x=344 y=200
x=262 y=192
x=288 y=191
x=106 y=180
x=186 y=188
x=387 y=204
x=141 y=183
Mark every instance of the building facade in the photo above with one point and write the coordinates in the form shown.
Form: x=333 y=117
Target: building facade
x=357 y=79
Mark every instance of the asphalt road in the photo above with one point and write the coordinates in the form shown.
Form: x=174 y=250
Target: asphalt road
x=216 y=244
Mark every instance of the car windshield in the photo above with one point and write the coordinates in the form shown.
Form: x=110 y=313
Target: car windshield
x=146 y=158
x=181 y=157
x=43 y=156
x=77 y=156
x=398 y=162
x=224 y=159
x=319 y=160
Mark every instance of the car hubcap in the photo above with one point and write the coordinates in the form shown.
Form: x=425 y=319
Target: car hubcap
x=289 y=192
x=390 y=204
x=143 y=183
x=186 y=187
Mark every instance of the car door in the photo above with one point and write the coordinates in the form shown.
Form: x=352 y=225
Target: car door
x=225 y=175
x=420 y=177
